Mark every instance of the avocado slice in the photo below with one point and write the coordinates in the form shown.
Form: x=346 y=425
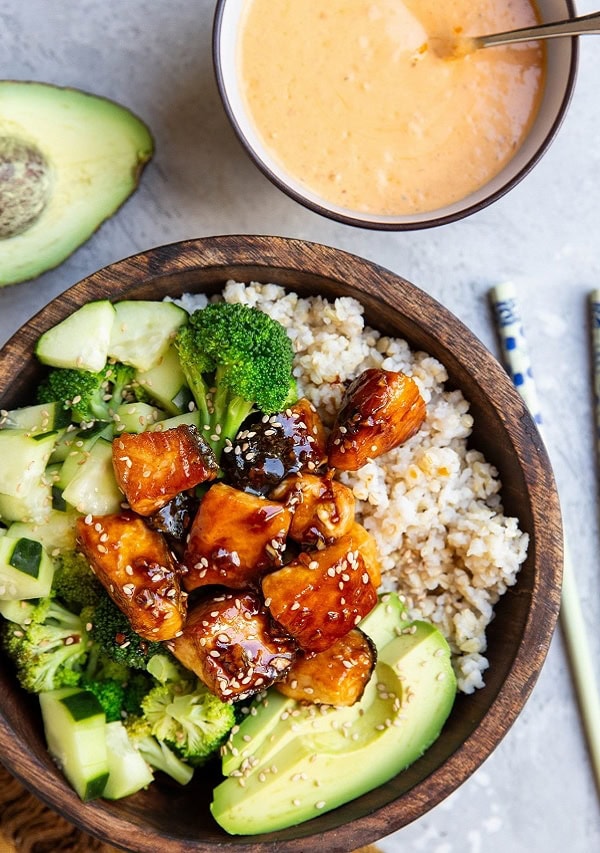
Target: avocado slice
x=68 y=161
x=289 y=762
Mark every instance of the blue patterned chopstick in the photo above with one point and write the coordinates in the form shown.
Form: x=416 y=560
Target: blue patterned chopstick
x=515 y=355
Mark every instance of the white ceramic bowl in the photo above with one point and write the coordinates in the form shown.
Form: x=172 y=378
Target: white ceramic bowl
x=561 y=60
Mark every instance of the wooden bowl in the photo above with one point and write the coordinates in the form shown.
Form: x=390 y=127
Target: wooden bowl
x=174 y=819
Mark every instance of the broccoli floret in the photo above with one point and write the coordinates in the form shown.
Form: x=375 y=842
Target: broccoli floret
x=236 y=360
x=51 y=650
x=88 y=396
x=74 y=583
x=137 y=686
x=118 y=688
x=192 y=722
x=164 y=667
x=156 y=753
x=110 y=694
x=110 y=630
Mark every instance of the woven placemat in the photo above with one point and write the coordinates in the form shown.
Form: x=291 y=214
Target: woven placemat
x=28 y=826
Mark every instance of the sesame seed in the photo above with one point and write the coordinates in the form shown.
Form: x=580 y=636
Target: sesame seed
x=321 y=804
x=267 y=602
x=295 y=605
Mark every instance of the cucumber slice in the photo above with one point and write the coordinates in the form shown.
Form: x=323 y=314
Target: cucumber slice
x=34 y=506
x=166 y=383
x=43 y=417
x=136 y=417
x=143 y=331
x=56 y=533
x=26 y=570
x=127 y=770
x=52 y=475
x=192 y=418
x=70 y=441
x=24 y=458
x=94 y=488
x=18 y=612
x=81 y=340
x=78 y=451
x=75 y=728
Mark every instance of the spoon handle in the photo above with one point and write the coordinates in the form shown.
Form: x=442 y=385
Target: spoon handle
x=572 y=27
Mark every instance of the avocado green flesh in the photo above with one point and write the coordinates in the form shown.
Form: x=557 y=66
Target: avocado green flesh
x=307 y=760
x=88 y=153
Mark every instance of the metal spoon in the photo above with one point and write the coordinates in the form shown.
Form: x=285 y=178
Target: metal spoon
x=462 y=45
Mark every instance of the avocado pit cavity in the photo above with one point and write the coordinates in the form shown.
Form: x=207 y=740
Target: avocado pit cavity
x=24 y=185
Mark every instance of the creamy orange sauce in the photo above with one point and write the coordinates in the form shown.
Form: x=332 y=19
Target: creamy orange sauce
x=351 y=98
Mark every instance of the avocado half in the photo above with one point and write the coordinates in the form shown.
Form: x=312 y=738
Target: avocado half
x=68 y=161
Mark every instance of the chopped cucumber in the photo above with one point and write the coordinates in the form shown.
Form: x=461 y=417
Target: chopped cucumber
x=75 y=727
x=26 y=570
x=143 y=331
x=137 y=417
x=34 y=506
x=24 y=458
x=43 y=417
x=52 y=475
x=94 y=488
x=127 y=770
x=71 y=442
x=79 y=451
x=166 y=383
x=192 y=418
x=18 y=612
x=80 y=341
x=56 y=533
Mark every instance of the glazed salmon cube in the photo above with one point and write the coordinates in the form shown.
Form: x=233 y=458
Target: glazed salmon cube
x=273 y=447
x=367 y=546
x=322 y=595
x=135 y=566
x=380 y=410
x=152 y=467
x=323 y=509
x=337 y=676
x=231 y=643
x=234 y=539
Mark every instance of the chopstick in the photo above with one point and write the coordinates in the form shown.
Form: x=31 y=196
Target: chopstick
x=515 y=355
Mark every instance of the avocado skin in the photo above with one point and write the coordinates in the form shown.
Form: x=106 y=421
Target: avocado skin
x=96 y=151
x=290 y=762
